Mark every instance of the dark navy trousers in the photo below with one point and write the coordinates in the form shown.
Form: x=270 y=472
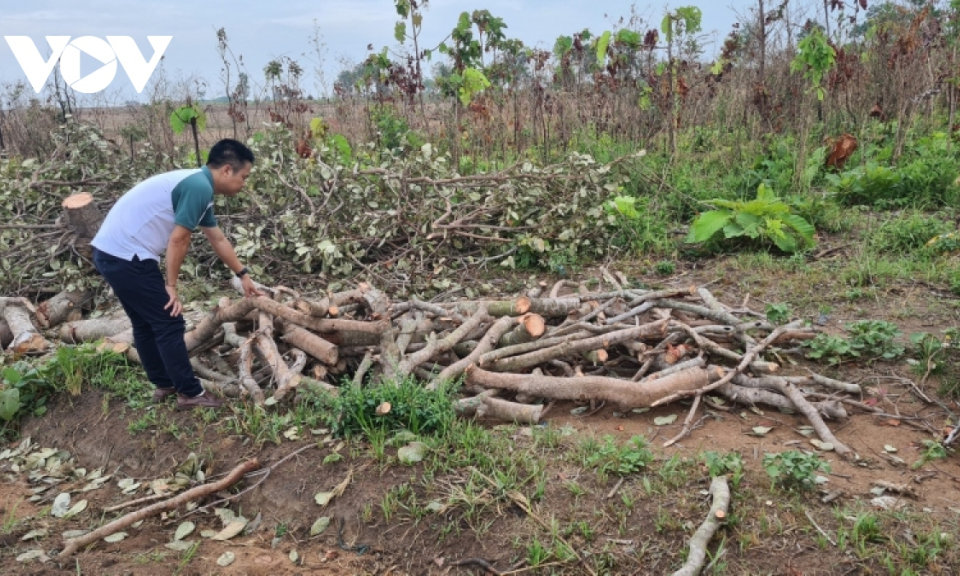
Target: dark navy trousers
x=140 y=287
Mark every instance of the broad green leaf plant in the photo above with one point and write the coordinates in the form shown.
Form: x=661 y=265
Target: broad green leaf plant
x=766 y=219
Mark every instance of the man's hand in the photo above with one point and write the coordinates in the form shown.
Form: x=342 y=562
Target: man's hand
x=249 y=287
x=174 y=304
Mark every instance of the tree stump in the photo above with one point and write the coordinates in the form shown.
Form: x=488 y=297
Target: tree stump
x=81 y=215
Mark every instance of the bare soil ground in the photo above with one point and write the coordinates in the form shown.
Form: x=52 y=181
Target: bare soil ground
x=638 y=527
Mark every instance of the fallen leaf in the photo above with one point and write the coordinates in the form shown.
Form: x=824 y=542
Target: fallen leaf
x=579 y=411
x=320 y=525
x=761 y=430
x=40 y=533
x=665 y=420
x=208 y=533
x=184 y=530
x=76 y=509
x=74 y=534
x=323 y=498
x=225 y=515
x=889 y=448
x=294 y=556
x=412 y=453
x=292 y=434
x=32 y=555
x=825 y=446
x=115 y=537
x=226 y=559
x=180 y=545
x=231 y=530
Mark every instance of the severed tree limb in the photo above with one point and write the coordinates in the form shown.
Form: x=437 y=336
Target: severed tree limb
x=530 y=327
x=310 y=343
x=494 y=355
x=408 y=325
x=438 y=311
x=624 y=393
x=73 y=544
x=486 y=344
x=752 y=395
x=365 y=365
x=828 y=382
x=701 y=538
x=26 y=338
x=805 y=408
x=555 y=307
x=531 y=359
x=644 y=303
x=444 y=344
x=748 y=359
x=64 y=306
x=509 y=411
x=466 y=407
x=245 y=365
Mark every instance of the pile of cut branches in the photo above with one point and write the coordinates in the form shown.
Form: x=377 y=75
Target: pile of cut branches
x=628 y=347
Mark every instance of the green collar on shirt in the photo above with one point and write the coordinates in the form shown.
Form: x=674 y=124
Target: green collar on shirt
x=206 y=172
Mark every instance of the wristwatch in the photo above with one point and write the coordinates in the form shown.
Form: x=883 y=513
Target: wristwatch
x=243 y=272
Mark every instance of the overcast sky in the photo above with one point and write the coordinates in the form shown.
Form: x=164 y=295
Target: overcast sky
x=261 y=30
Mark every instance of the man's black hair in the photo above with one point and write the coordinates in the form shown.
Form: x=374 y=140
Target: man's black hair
x=229 y=151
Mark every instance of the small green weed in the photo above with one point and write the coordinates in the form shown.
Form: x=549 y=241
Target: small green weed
x=718 y=464
x=353 y=411
x=933 y=450
x=778 y=313
x=621 y=460
x=869 y=339
x=794 y=470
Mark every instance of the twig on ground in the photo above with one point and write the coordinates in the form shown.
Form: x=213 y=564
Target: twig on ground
x=235 y=475
x=701 y=538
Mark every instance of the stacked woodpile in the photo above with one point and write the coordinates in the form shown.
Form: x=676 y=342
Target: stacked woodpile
x=626 y=347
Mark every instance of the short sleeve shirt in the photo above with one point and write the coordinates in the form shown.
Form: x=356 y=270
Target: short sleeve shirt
x=141 y=222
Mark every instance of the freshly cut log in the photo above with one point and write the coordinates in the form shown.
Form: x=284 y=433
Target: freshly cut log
x=310 y=343
x=509 y=411
x=81 y=215
x=19 y=318
x=80 y=331
x=62 y=307
x=443 y=345
x=266 y=348
x=531 y=359
x=530 y=327
x=555 y=307
x=623 y=393
x=486 y=344
x=498 y=308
